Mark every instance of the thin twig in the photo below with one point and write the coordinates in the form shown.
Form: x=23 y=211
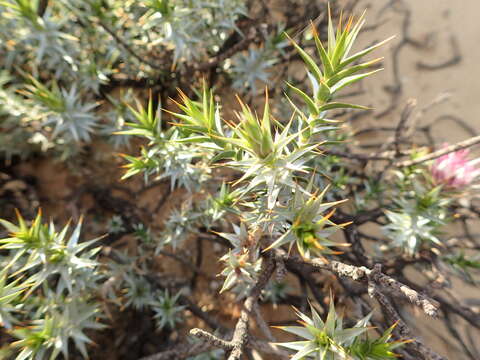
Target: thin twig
x=205 y=336
x=362 y=157
x=240 y=337
x=436 y=154
x=402 y=131
x=126 y=46
x=240 y=334
x=240 y=46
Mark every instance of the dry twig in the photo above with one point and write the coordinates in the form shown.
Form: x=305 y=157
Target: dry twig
x=240 y=335
x=362 y=274
x=436 y=154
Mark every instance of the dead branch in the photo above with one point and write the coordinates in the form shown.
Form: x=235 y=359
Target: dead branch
x=436 y=154
x=361 y=274
x=240 y=334
x=402 y=328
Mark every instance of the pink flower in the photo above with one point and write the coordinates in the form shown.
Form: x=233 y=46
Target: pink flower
x=455 y=170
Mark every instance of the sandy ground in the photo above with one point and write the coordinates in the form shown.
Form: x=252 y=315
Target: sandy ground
x=433 y=23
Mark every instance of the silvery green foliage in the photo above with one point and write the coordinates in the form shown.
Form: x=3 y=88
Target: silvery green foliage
x=220 y=204
x=138 y=291
x=58 y=275
x=128 y=285
x=408 y=231
x=275 y=291
x=17 y=135
x=240 y=272
x=179 y=225
x=41 y=252
x=10 y=293
x=115 y=225
x=310 y=224
x=56 y=42
x=419 y=214
x=329 y=340
x=10 y=103
x=166 y=156
x=131 y=284
x=184 y=221
x=267 y=160
x=72 y=50
x=166 y=308
x=116 y=119
x=143 y=233
x=51 y=116
x=39 y=39
x=373 y=190
x=242 y=263
x=64 y=110
x=464 y=266
x=69 y=318
x=253 y=67
x=70 y=43
x=131 y=287
x=190 y=29
x=49 y=336
x=274 y=159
